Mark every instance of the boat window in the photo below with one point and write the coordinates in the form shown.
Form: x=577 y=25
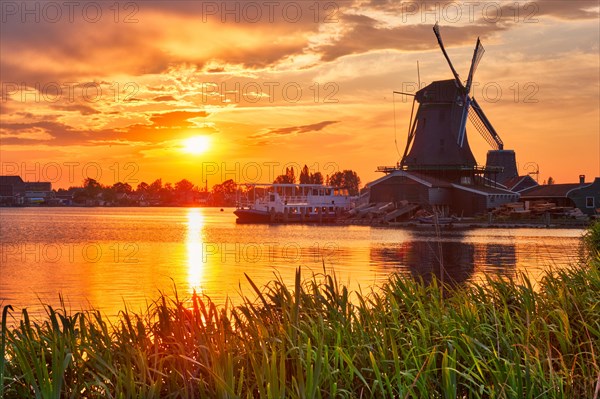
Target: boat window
x=272 y=197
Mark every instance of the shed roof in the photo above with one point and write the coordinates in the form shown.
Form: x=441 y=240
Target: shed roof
x=14 y=180
x=550 y=190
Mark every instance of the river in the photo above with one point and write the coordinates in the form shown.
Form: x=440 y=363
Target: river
x=106 y=257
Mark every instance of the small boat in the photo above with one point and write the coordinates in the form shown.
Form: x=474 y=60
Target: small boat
x=440 y=220
x=293 y=203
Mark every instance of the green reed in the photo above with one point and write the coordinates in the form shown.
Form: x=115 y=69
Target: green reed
x=316 y=339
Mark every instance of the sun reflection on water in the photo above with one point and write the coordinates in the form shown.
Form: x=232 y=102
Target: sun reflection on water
x=193 y=243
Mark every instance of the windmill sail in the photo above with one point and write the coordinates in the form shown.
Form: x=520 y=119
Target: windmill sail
x=411 y=132
x=484 y=127
x=436 y=30
x=477 y=54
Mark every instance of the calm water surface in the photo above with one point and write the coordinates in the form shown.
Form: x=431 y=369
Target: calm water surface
x=105 y=257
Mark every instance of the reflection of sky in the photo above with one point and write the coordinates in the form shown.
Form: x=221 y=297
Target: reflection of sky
x=193 y=243
x=204 y=249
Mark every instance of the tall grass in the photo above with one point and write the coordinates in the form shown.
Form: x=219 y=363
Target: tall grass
x=316 y=339
x=591 y=238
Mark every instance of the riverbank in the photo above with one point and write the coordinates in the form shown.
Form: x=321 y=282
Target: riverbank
x=501 y=338
x=467 y=224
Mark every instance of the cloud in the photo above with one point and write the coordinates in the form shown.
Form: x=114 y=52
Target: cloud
x=444 y=10
x=82 y=109
x=163 y=127
x=164 y=98
x=283 y=131
x=177 y=118
x=364 y=34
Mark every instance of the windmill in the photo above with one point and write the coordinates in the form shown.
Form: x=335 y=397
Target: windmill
x=437 y=139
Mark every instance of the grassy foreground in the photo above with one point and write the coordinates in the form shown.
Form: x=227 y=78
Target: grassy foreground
x=406 y=339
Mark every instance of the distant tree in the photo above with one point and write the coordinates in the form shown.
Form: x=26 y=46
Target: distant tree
x=184 y=192
x=288 y=178
x=122 y=188
x=90 y=183
x=184 y=186
x=167 y=193
x=550 y=180
x=109 y=194
x=91 y=188
x=227 y=187
x=305 y=175
x=142 y=188
x=224 y=193
x=346 y=179
x=155 y=187
x=316 y=178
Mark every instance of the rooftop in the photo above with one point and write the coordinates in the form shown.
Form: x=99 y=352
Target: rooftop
x=551 y=190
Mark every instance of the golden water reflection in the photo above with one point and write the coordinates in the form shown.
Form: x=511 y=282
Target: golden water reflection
x=117 y=256
x=194 y=244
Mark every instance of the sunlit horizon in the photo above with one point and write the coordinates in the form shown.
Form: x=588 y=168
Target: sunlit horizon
x=279 y=92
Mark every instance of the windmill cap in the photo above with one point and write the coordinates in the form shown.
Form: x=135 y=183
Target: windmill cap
x=440 y=91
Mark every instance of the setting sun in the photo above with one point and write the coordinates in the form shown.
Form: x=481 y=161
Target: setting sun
x=196 y=145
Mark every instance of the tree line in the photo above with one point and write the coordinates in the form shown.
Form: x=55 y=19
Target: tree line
x=184 y=192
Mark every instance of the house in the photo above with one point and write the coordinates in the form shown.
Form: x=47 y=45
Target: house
x=15 y=191
x=427 y=190
x=582 y=195
x=12 y=190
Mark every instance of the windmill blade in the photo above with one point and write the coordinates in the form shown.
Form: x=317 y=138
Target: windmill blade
x=484 y=127
x=436 y=30
x=462 y=130
x=477 y=54
x=411 y=132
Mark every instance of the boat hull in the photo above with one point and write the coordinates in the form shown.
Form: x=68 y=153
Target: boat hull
x=256 y=216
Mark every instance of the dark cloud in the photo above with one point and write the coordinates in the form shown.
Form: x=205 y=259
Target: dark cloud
x=82 y=109
x=164 y=98
x=215 y=70
x=62 y=134
x=177 y=118
x=365 y=35
x=530 y=10
x=163 y=127
x=282 y=131
x=579 y=9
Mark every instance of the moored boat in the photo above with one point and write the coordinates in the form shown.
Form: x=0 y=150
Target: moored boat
x=293 y=203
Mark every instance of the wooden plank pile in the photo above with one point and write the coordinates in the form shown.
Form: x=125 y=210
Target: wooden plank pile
x=519 y=210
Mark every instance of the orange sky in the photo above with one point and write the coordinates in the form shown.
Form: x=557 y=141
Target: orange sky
x=111 y=91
